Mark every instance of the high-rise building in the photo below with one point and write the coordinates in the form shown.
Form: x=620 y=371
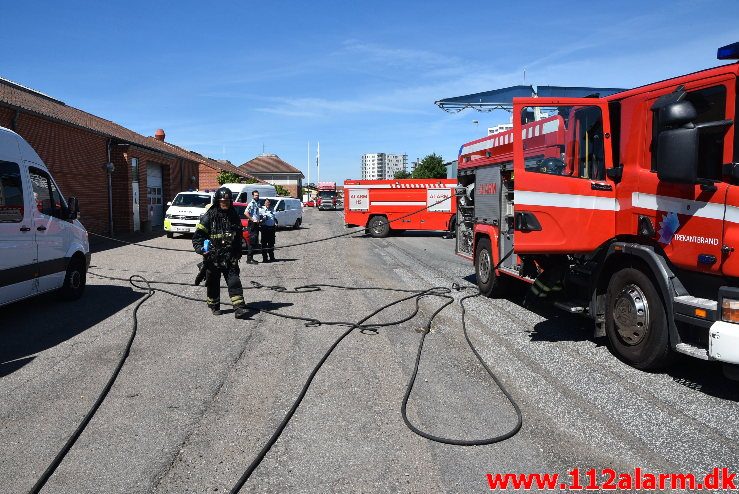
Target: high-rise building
x=377 y=166
x=395 y=163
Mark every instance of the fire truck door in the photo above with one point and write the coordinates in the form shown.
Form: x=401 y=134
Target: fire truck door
x=564 y=201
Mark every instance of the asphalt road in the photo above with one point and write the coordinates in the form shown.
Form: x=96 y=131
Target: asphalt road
x=200 y=395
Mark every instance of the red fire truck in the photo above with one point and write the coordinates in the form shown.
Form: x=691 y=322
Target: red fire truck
x=327 y=195
x=623 y=208
x=384 y=205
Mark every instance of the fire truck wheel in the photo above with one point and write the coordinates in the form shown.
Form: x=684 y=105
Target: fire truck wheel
x=636 y=322
x=379 y=227
x=170 y=235
x=487 y=281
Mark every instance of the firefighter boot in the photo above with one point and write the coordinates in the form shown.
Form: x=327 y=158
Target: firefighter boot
x=264 y=257
x=215 y=309
x=240 y=310
x=271 y=256
x=250 y=260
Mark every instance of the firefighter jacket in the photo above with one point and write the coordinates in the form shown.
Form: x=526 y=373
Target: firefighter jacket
x=224 y=230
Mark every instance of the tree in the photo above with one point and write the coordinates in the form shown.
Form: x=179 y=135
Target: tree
x=432 y=166
x=281 y=191
x=401 y=174
x=226 y=177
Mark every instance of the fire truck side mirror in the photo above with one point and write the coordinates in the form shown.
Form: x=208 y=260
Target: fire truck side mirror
x=677 y=155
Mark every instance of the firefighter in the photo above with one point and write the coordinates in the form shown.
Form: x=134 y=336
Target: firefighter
x=221 y=227
x=253 y=215
x=269 y=224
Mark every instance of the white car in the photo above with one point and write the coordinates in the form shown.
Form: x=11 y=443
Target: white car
x=184 y=212
x=288 y=211
x=43 y=246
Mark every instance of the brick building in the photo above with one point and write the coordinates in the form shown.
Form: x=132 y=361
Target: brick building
x=76 y=147
x=271 y=169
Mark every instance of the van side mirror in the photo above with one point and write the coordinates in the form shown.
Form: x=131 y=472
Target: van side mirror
x=169 y=203
x=73 y=207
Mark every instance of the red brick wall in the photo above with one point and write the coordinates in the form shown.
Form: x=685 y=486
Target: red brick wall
x=76 y=157
x=208 y=177
x=293 y=190
x=6 y=117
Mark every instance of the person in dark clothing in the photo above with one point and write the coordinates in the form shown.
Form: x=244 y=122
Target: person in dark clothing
x=269 y=224
x=252 y=214
x=218 y=239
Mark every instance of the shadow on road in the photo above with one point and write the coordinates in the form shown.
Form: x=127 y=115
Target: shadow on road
x=268 y=305
x=706 y=377
x=34 y=325
x=99 y=244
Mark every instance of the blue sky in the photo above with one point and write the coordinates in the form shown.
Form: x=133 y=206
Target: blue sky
x=226 y=78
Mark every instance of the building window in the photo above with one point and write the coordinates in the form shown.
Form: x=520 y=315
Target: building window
x=134 y=169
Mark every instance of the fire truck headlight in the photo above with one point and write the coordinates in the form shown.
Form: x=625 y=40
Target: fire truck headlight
x=730 y=310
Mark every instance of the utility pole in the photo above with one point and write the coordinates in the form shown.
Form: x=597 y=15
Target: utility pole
x=308 y=179
x=318 y=163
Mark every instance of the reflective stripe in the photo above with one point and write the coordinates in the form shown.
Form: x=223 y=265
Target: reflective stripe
x=530 y=198
x=200 y=226
x=699 y=209
x=397 y=203
x=212 y=301
x=368 y=186
x=237 y=300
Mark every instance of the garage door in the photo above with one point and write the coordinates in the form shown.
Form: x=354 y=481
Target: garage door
x=154 y=195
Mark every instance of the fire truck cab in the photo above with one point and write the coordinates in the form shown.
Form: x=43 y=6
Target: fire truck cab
x=623 y=208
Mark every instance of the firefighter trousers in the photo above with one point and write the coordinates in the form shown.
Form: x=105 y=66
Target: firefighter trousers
x=230 y=272
x=268 y=242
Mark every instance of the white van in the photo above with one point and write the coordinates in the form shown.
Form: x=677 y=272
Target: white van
x=43 y=246
x=288 y=211
x=184 y=212
x=242 y=192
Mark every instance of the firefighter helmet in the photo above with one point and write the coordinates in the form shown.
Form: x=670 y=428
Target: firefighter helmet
x=224 y=194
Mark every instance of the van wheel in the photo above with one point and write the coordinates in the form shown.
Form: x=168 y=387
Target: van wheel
x=74 y=280
x=170 y=235
x=488 y=282
x=379 y=227
x=636 y=322
x=453 y=227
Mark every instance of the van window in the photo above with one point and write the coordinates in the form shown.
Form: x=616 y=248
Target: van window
x=280 y=206
x=11 y=193
x=45 y=193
